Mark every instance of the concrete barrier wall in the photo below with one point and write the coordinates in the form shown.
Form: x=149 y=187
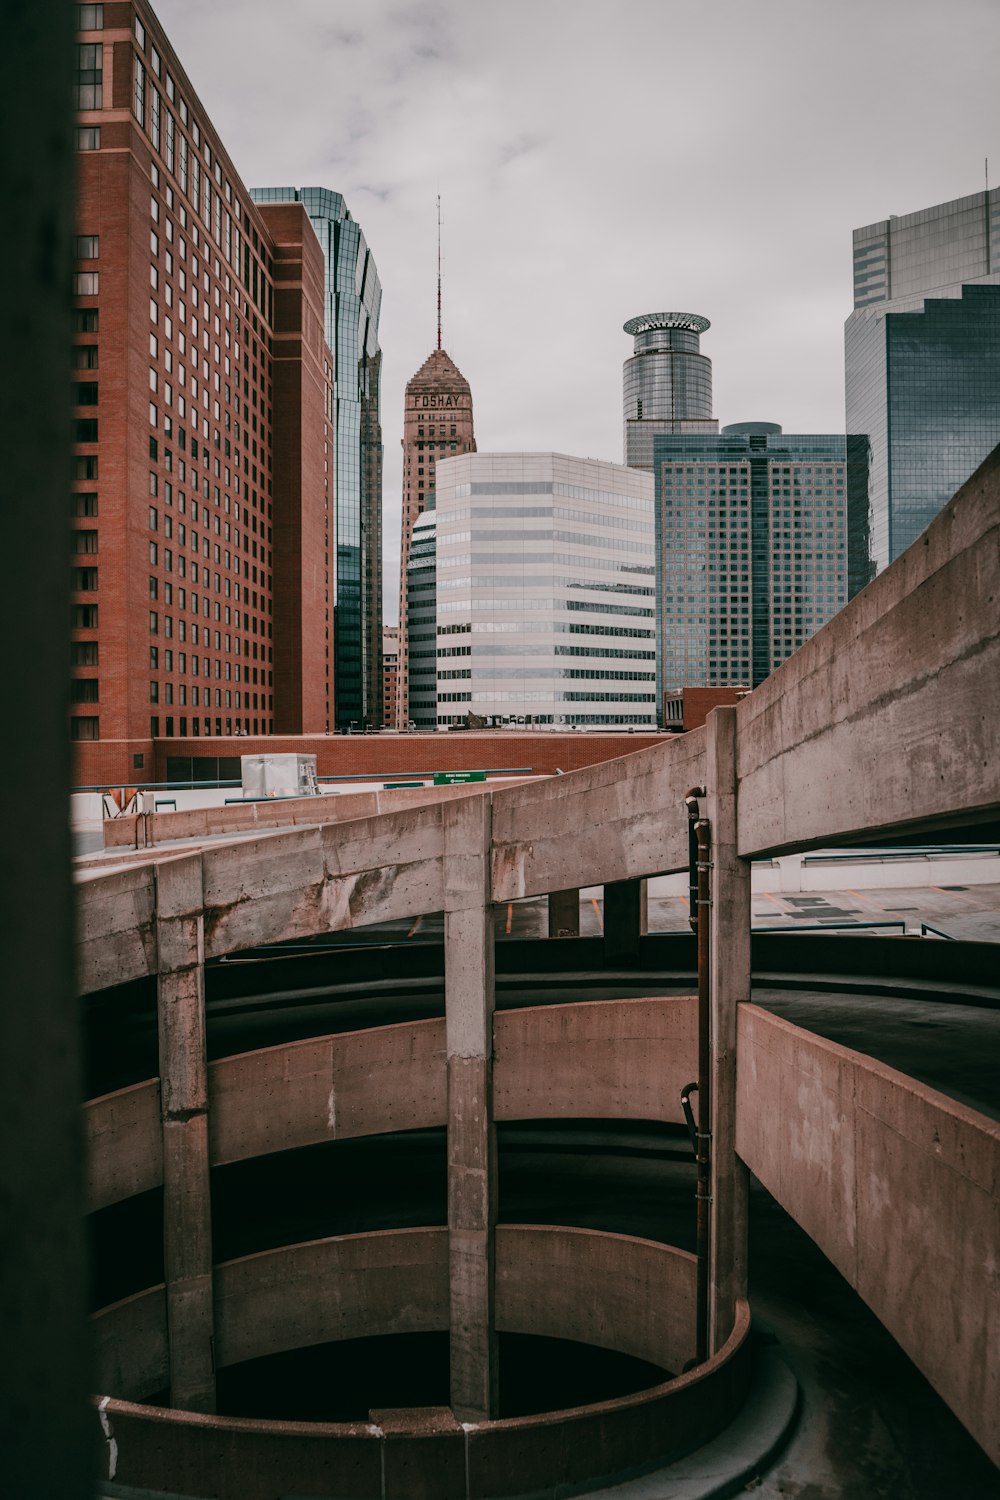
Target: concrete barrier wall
x=602 y=1059
x=324 y=879
x=131 y=1351
x=132 y=830
x=124 y=1144
x=353 y=1286
x=194 y=1454
x=606 y=1059
x=115 y=927
x=909 y=667
x=328 y=1088
x=632 y=1295
x=612 y=1290
x=609 y=822
x=899 y=1187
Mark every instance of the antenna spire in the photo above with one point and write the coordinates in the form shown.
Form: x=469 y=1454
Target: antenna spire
x=439 y=270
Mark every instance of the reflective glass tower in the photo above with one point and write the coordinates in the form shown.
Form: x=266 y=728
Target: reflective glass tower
x=751 y=549
x=667 y=383
x=353 y=297
x=922 y=362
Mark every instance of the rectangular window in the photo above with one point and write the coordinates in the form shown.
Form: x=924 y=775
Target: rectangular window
x=87 y=138
x=84 y=729
x=86 y=283
x=85 y=357
x=154 y=118
x=85 y=541
x=85 y=505
x=85 y=580
x=139 y=92
x=86 y=246
x=83 y=653
x=84 y=616
x=170 y=149
x=85 y=431
x=85 y=393
x=91 y=17
x=182 y=176
x=83 y=690
x=88 y=92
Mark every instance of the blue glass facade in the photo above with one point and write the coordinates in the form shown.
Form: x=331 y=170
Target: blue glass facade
x=751 y=549
x=922 y=357
x=353 y=297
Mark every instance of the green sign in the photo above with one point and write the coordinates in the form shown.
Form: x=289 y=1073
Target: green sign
x=456 y=778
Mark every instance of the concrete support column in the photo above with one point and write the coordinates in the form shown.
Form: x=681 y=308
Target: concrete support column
x=730 y=983
x=564 y=913
x=472 y=1177
x=625 y=907
x=187 y=1215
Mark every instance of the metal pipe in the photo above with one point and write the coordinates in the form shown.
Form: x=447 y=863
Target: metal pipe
x=703 y=835
x=691 y=803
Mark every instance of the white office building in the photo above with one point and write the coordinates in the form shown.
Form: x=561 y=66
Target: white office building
x=545 y=591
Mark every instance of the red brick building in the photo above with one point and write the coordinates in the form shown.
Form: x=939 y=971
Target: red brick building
x=203 y=471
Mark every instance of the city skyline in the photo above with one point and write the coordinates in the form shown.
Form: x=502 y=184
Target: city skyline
x=561 y=213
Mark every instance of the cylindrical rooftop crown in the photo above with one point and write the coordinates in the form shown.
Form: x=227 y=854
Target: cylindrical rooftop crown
x=667 y=382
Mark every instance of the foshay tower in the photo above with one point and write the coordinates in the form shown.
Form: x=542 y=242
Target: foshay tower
x=437 y=423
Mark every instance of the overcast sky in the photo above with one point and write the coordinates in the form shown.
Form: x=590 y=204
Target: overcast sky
x=599 y=160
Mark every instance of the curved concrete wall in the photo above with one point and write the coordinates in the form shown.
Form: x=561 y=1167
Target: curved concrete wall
x=604 y=1059
x=350 y=1287
x=124 y=1144
x=900 y=1188
x=613 y=1290
x=616 y=1291
x=396 y=1281
x=601 y=1059
x=328 y=1088
x=131 y=1353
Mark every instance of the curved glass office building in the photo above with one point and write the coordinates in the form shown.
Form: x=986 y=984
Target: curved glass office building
x=352 y=297
x=545 y=591
x=667 y=383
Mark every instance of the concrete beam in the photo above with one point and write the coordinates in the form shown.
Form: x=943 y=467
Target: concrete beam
x=325 y=879
x=604 y=823
x=472 y=1156
x=887 y=718
x=187 y=1215
x=729 y=967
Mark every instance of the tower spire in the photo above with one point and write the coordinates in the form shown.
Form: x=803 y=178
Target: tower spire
x=439 y=270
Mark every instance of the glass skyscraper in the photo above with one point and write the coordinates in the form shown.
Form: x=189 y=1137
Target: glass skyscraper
x=922 y=360
x=667 y=383
x=751 y=549
x=353 y=297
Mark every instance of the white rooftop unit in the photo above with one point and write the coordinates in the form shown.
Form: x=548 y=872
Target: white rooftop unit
x=279 y=775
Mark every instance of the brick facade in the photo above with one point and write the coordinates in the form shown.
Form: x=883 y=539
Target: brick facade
x=202 y=395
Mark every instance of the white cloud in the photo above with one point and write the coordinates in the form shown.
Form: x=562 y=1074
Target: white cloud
x=596 y=161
